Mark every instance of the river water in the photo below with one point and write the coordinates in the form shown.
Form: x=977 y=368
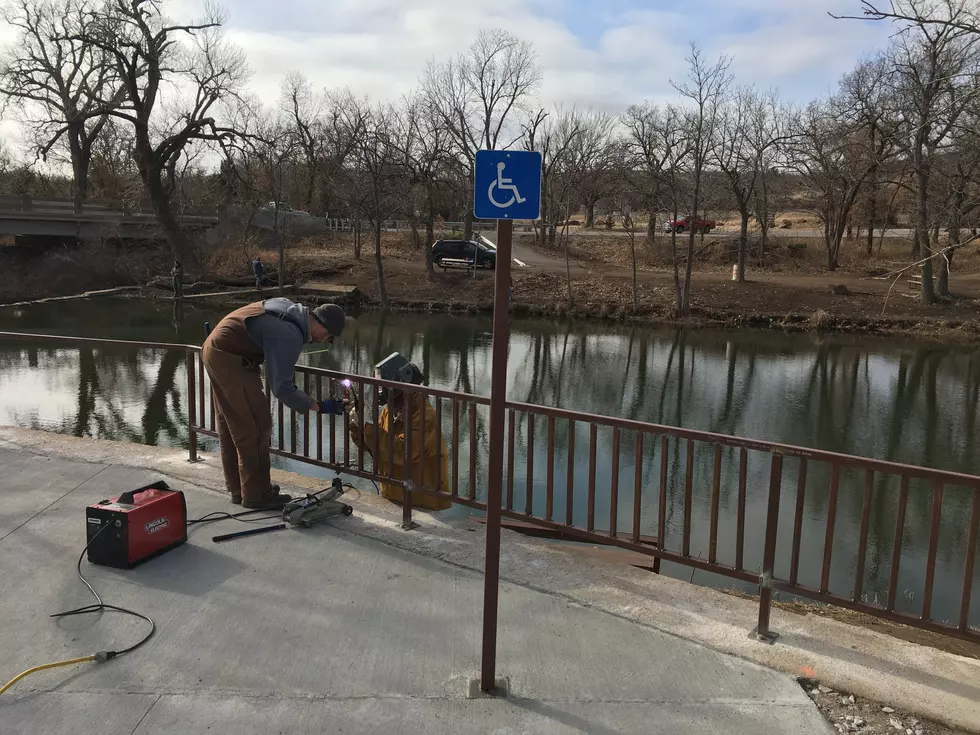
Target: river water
x=893 y=399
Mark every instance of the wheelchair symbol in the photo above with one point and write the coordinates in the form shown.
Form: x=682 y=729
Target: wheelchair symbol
x=504 y=184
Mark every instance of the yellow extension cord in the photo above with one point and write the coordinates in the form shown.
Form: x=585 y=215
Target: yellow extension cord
x=67 y=662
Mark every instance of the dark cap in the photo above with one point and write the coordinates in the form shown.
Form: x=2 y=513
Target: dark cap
x=331 y=318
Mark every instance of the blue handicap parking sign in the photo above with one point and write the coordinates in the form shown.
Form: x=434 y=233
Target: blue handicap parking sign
x=507 y=185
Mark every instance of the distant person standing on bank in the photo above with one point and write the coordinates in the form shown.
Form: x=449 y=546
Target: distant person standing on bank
x=177 y=274
x=257 y=270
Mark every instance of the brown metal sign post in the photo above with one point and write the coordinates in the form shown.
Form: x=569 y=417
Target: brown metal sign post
x=498 y=397
x=506 y=186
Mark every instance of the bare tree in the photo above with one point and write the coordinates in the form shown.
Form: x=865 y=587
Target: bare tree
x=958 y=173
x=654 y=140
x=148 y=53
x=304 y=110
x=705 y=87
x=477 y=94
x=57 y=81
x=933 y=57
x=426 y=147
x=829 y=153
x=596 y=155
x=934 y=67
x=380 y=156
x=737 y=156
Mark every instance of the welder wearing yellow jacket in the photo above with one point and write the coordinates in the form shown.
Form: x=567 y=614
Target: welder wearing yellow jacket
x=428 y=454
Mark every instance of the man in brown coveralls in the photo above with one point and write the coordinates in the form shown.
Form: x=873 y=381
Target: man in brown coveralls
x=272 y=331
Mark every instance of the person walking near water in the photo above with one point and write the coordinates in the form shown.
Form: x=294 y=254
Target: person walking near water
x=257 y=270
x=274 y=332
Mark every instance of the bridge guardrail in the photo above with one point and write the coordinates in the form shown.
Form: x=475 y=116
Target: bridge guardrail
x=675 y=479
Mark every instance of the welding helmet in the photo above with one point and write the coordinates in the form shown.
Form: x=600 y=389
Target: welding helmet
x=395 y=368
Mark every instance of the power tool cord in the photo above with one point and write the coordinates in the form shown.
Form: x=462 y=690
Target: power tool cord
x=101 y=656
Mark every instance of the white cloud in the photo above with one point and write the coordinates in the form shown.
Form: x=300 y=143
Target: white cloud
x=620 y=56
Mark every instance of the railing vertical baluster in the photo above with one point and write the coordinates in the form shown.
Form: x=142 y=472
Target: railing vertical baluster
x=306 y=417
x=769 y=553
x=614 y=486
x=937 y=512
x=420 y=397
x=439 y=486
x=794 y=565
x=471 y=410
x=593 y=432
x=549 y=504
x=292 y=431
x=869 y=479
x=743 y=462
x=191 y=418
x=828 y=542
x=688 y=496
x=662 y=510
x=375 y=408
x=971 y=556
x=408 y=451
x=200 y=389
x=456 y=446
x=281 y=432
x=529 y=494
x=408 y=481
x=903 y=499
x=715 y=502
x=637 y=485
x=570 y=480
x=390 y=469
x=511 y=439
x=319 y=420
x=333 y=424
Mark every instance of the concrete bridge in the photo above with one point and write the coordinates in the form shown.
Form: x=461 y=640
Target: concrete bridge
x=62 y=218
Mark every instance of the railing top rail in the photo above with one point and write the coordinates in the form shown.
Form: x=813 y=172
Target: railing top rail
x=369 y=380
x=844 y=460
x=789 y=450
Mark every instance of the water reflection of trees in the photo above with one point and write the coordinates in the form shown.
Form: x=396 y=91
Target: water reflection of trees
x=119 y=393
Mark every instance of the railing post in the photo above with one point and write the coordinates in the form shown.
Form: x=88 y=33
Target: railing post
x=762 y=632
x=191 y=408
x=407 y=523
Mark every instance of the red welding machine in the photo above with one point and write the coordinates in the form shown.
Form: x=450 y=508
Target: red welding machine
x=136 y=526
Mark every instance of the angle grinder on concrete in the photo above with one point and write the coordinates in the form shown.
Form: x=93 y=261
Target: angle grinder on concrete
x=308 y=510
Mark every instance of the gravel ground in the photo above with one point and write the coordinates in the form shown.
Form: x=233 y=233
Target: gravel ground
x=853 y=714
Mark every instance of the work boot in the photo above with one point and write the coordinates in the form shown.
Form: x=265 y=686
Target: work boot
x=274 y=500
x=236 y=499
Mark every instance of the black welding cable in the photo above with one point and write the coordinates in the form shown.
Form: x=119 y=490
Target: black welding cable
x=100 y=605
x=220 y=515
x=101 y=656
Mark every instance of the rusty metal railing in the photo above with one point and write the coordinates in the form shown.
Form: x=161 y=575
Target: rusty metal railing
x=662 y=483
x=724 y=505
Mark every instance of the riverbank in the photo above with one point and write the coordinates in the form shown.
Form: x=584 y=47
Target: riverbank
x=789 y=294
x=917 y=681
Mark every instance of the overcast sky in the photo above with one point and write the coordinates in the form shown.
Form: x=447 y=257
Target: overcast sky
x=608 y=53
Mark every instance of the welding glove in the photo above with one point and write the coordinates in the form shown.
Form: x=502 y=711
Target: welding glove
x=332 y=406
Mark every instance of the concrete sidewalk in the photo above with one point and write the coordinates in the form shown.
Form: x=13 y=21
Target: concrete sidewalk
x=327 y=630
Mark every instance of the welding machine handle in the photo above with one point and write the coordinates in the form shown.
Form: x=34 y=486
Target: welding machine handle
x=129 y=496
